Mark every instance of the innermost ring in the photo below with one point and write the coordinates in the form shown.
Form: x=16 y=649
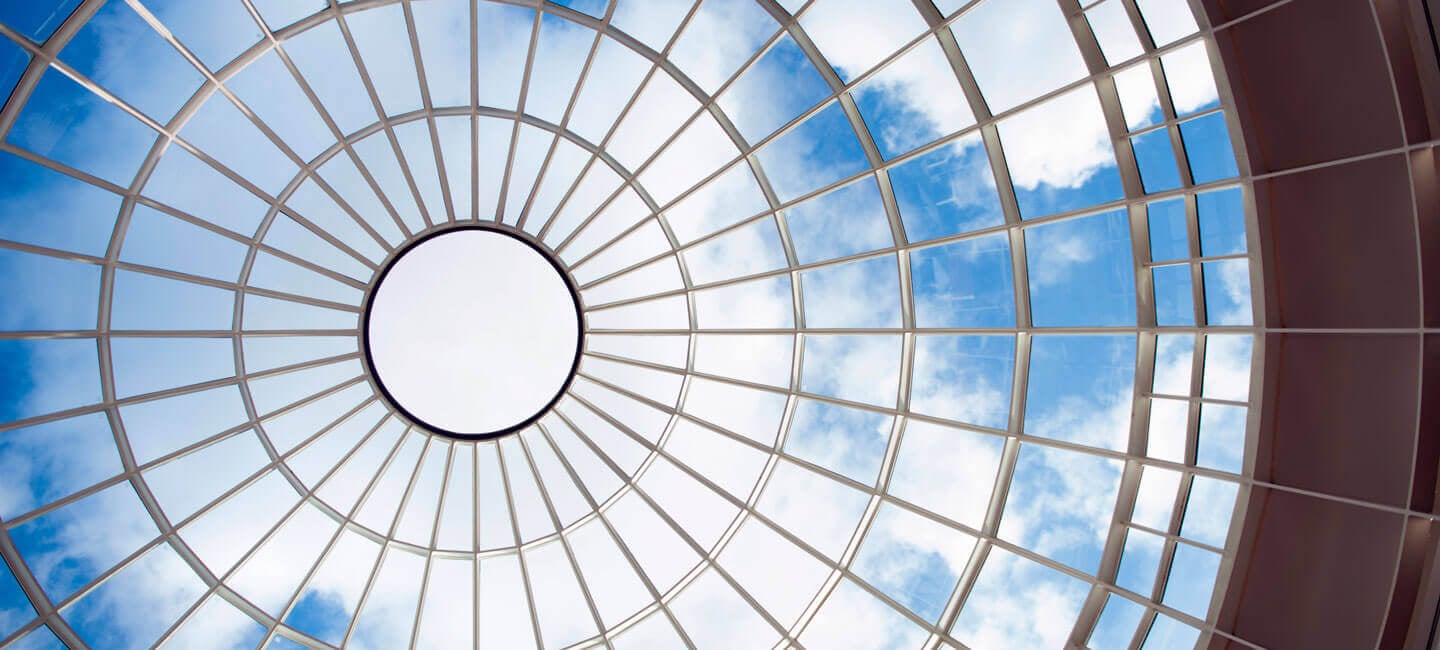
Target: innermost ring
x=472 y=332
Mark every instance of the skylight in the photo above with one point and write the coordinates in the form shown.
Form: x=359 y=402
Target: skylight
x=472 y=332
x=900 y=324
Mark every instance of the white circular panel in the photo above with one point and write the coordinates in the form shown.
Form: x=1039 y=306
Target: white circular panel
x=472 y=332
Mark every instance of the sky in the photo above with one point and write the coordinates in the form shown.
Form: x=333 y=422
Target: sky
x=794 y=410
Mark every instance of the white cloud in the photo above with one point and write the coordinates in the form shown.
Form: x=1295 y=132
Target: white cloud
x=1062 y=142
x=854 y=35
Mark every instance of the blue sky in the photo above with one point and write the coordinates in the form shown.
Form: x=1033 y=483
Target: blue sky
x=1078 y=271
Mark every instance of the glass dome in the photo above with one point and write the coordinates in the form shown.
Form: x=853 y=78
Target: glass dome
x=905 y=324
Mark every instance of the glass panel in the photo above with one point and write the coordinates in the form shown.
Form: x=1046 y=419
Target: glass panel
x=1222 y=437
x=1227 y=292
x=1169 y=236
x=148 y=595
x=1174 y=354
x=1138 y=99
x=142 y=302
x=655 y=631
x=1222 y=222
x=223 y=534
x=1208 y=511
x=1013 y=66
x=385 y=50
x=845 y=440
x=855 y=36
x=1167 y=632
x=215 y=31
x=447 y=619
x=1207 y=145
x=1081 y=271
x=388 y=618
x=324 y=60
x=1060 y=504
x=1117 y=623
x=1169 y=420
x=752 y=413
x=1010 y=589
x=863 y=294
x=820 y=511
x=503 y=610
x=1174 y=300
x=968 y=283
x=112 y=521
x=81 y=216
x=267 y=87
x=821 y=150
x=1168 y=20
x=720 y=36
x=914 y=100
x=859 y=368
x=653 y=22
x=1155 y=499
x=1227 y=367
x=780 y=576
x=615 y=587
x=15 y=607
x=560 y=51
x=48 y=293
x=1192 y=84
x=221 y=130
x=274 y=571
x=949 y=471
x=184 y=485
x=701 y=512
x=1080 y=389
x=44 y=376
x=559 y=602
x=37 y=20
x=658 y=547
x=45 y=462
x=1192 y=578
x=853 y=616
x=964 y=378
x=854 y=210
x=721 y=459
x=67 y=123
x=613 y=79
x=324 y=606
x=182 y=181
x=107 y=47
x=1111 y=25
x=776 y=89
x=1059 y=154
x=1139 y=561
x=217 y=619
x=716 y=616
x=912 y=559
x=1158 y=171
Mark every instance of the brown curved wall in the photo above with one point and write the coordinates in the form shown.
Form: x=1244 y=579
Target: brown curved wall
x=1337 y=100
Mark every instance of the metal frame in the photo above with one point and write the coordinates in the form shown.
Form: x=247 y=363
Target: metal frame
x=1101 y=585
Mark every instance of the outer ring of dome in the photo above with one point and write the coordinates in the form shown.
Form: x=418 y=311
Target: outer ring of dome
x=399 y=253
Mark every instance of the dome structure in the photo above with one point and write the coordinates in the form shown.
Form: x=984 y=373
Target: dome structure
x=890 y=324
